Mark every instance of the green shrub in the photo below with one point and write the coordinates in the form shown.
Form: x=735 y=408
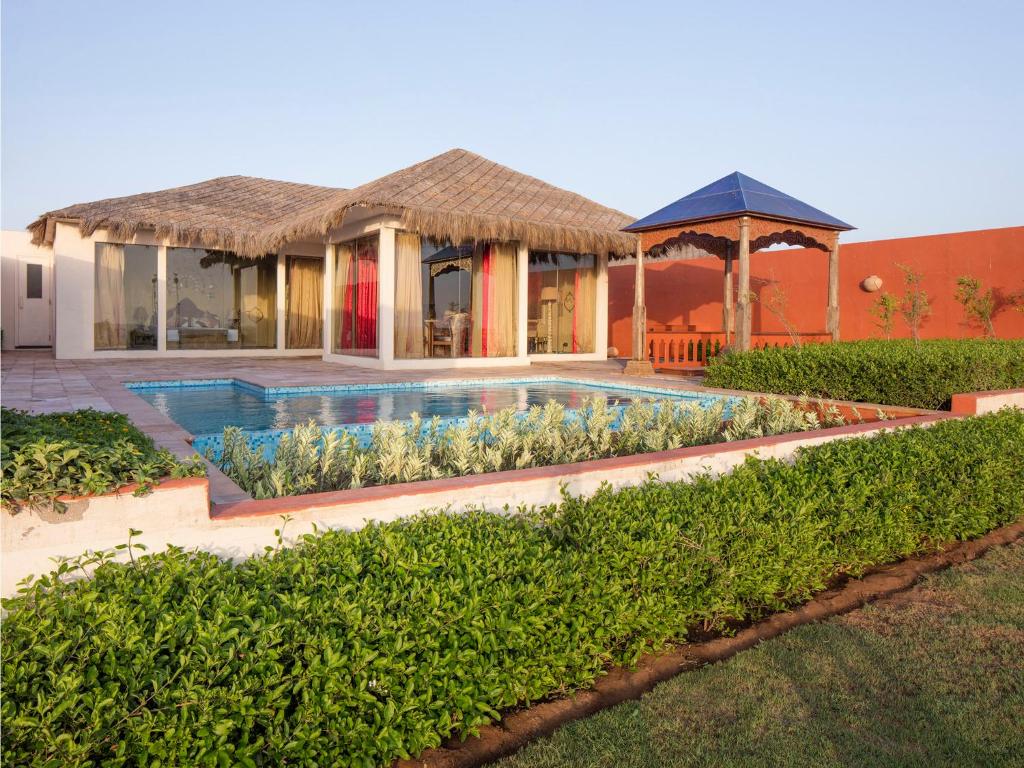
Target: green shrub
x=354 y=648
x=78 y=453
x=308 y=461
x=922 y=375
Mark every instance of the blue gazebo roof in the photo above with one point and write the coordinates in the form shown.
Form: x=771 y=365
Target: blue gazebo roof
x=733 y=195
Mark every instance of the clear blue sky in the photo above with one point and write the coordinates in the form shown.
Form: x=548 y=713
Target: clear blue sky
x=902 y=118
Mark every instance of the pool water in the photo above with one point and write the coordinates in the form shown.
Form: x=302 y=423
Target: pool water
x=205 y=408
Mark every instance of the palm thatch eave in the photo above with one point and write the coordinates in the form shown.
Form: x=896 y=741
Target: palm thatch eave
x=458 y=227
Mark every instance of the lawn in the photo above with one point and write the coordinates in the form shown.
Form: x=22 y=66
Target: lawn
x=932 y=677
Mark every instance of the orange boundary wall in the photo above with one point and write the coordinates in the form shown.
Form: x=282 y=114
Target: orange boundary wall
x=690 y=292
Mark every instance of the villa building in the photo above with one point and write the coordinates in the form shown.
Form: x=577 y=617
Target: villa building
x=456 y=261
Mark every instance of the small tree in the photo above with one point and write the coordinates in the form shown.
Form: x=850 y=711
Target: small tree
x=777 y=303
x=914 y=306
x=979 y=305
x=884 y=311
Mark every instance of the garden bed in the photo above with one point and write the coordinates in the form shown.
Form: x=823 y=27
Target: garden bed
x=518 y=729
x=372 y=645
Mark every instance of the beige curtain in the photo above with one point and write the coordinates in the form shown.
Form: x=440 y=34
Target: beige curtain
x=408 y=296
x=110 y=328
x=494 y=300
x=586 y=304
x=343 y=255
x=305 y=302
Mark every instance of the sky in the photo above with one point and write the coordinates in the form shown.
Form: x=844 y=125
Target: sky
x=902 y=118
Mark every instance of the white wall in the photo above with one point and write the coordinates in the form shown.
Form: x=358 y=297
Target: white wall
x=15 y=244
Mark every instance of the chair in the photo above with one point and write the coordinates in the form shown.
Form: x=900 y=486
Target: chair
x=437 y=335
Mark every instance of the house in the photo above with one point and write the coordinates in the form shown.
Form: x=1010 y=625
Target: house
x=453 y=262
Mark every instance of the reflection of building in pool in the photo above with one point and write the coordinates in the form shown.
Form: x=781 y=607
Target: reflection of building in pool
x=455 y=261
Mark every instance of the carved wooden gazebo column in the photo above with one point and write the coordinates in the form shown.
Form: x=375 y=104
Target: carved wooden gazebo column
x=640 y=364
x=727 y=296
x=743 y=315
x=832 y=313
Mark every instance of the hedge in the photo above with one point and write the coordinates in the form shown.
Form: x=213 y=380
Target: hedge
x=78 y=453
x=898 y=372
x=355 y=648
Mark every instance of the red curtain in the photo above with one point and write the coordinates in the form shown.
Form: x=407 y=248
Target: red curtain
x=366 y=306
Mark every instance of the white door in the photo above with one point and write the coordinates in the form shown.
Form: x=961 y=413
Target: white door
x=34 y=307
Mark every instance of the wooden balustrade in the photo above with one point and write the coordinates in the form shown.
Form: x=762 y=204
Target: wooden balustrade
x=691 y=350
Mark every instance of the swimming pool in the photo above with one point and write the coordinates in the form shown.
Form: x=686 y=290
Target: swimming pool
x=206 y=407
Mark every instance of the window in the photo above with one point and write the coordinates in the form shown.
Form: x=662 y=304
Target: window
x=454 y=301
x=561 y=303
x=125 y=297
x=218 y=300
x=354 y=329
x=33 y=281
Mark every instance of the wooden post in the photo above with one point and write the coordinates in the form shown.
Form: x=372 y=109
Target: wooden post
x=832 y=315
x=743 y=316
x=640 y=364
x=727 y=296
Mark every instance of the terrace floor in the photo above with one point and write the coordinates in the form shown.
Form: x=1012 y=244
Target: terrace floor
x=32 y=380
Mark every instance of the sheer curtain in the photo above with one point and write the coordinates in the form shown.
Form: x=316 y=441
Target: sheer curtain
x=110 y=329
x=583 y=317
x=305 y=303
x=494 y=300
x=408 y=296
x=344 y=298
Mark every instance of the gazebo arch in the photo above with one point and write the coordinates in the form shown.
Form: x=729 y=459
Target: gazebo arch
x=731 y=218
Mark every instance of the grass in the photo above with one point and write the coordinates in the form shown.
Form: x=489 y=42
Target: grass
x=932 y=677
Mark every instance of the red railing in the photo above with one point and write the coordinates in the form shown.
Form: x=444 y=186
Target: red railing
x=689 y=350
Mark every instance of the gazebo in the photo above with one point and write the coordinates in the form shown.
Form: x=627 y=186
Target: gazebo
x=730 y=218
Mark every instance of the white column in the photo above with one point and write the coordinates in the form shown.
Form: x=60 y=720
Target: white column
x=601 y=315
x=328 y=301
x=386 y=296
x=522 y=299
x=281 y=302
x=161 y=298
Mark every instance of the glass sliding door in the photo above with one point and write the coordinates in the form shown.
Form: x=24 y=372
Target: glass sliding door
x=454 y=301
x=354 y=328
x=304 y=302
x=446 y=273
x=218 y=300
x=125 y=296
x=562 y=303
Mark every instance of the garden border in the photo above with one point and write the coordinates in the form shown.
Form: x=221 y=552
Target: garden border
x=522 y=727
x=183 y=515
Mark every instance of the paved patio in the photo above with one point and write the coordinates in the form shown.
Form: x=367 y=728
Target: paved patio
x=33 y=380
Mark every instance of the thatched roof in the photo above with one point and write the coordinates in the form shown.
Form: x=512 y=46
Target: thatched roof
x=229 y=212
x=460 y=196
x=457 y=196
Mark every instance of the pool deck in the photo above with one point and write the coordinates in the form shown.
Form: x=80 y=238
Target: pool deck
x=32 y=380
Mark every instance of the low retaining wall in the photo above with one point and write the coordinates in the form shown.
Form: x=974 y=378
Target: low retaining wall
x=178 y=512
x=977 y=403
x=31 y=539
